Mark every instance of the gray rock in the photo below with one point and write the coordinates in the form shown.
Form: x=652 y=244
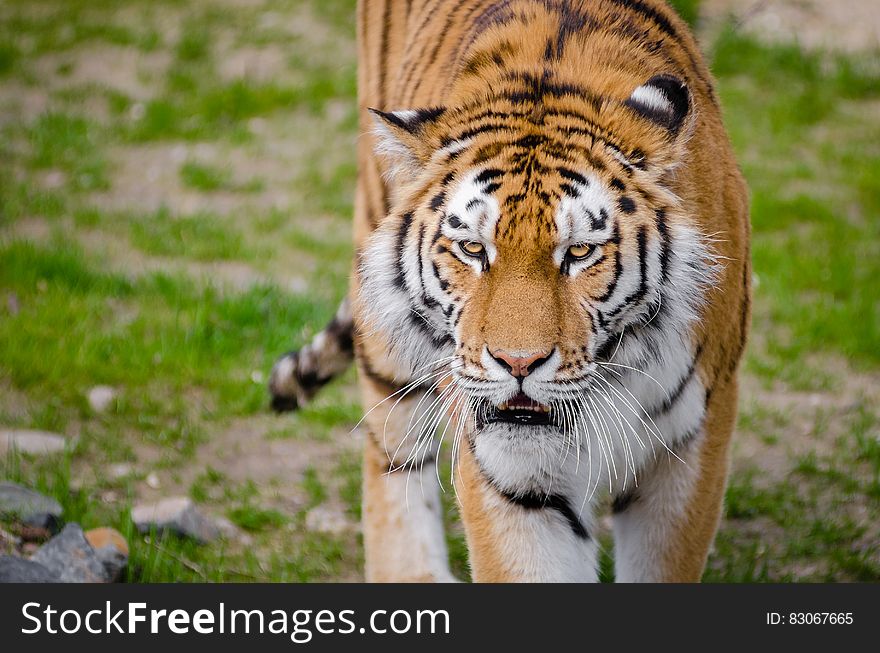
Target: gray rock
x=35 y=443
x=19 y=570
x=101 y=397
x=31 y=508
x=230 y=531
x=177 y=515
x=70 y=556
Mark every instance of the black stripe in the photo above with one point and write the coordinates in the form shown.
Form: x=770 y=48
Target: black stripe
x=642 y=290
x=571 y=175
x=626 y=204
x=623 y=501
x=437 y=339
x=618 y=268
x=437 y=200
x=444 y=284
x=683 y=382
x=569 y=190
x=342 y=333
x=473 y=203
x=535 y=501
x=488 y=175
x=402 y=231
x=366 y=368
x=665 y=247
x=428 y=301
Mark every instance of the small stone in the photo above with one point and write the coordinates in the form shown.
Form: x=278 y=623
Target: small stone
x=120 y=470
x=153 y=481
x=35 y=443
x=326 y=520
x=71 y=558
x=54 y=179
x=137 y=111
x=230 y=531
x=101 y=397
x=177 y=515
x=29 y=507
x=109 y=496
x=111 y=549
x=19 y=570
x=12 y=304
x=34 y=533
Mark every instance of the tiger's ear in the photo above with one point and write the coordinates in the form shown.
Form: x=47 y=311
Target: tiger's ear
x=402 y=139
x=664 y=100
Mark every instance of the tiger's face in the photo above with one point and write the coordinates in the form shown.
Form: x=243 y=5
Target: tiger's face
x=532 y=259
x=531 y=263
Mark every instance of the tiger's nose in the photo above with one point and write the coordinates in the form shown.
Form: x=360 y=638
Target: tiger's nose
x=520 y=366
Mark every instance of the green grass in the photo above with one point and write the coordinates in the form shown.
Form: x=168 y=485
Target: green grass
x=189 y=355
x=253 y=519
x=208 y=178
x=201 y=236
x=175 y=335
x=68 y=143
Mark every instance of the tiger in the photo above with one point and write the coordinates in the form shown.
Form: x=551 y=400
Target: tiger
x=552 y=276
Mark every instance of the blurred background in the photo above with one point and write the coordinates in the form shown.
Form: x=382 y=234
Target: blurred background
x=176 y=183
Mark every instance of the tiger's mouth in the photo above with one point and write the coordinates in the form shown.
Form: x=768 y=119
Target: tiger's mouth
x=520 y=409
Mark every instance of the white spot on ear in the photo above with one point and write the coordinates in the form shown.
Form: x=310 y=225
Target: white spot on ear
x=662 y=99
x=652 y=98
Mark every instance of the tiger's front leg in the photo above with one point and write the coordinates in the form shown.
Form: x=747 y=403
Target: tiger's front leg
x=664 y=528
x=402 y=515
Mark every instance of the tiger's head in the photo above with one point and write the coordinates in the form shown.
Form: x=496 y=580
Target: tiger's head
x=534 y=246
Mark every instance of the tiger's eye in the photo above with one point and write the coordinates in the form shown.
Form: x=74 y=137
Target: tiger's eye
x=472 y=248
x=580 y=251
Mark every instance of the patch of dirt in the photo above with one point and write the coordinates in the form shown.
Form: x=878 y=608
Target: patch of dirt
x=264 y=64
x=244 y=452
x=146 y=178
x=133 y=72
x=800 y=411
x=848 y=26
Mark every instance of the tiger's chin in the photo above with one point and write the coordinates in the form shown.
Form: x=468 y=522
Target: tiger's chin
x=522 y=449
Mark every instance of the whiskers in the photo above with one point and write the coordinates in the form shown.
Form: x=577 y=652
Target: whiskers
x=600 y=411
x=443 y=397
x=597 y=422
